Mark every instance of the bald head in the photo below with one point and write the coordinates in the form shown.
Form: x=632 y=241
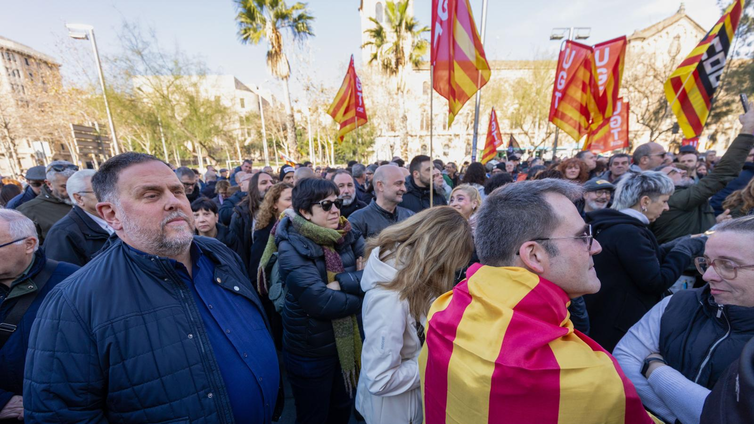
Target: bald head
x=389 y=186
x=303 y=173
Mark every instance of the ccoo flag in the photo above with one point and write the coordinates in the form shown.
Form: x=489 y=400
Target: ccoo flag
x=573 y=103
x=611 y=134
x=690 y=88
x=494 y=139
x=348 y=107
x=457 y=55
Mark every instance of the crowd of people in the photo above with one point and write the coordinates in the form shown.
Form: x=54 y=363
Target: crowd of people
x=585 y=290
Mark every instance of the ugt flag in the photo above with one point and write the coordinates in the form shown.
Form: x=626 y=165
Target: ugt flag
x=609 y=57
x=573 y=95
x=611 y=134
x=457 y=55
x=494 y=139
x=691 y=87
x=348 y=107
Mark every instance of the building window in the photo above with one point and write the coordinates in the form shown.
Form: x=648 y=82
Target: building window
x=378 y=12
x=243 y=103
x=26 y=59
x=424 y=149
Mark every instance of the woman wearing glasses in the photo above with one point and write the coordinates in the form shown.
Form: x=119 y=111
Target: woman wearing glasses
x=320 y=260
x=635 y=270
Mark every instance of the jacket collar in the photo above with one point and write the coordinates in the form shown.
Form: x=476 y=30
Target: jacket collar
x=86 y=224
x=24 y=284
x=741 y=318
x=46 y=195
x=304 y=246
x=411 y=186
x=390 y=215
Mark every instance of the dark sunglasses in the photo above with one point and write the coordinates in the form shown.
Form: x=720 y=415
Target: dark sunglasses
x=326 y=205
x=61 y=168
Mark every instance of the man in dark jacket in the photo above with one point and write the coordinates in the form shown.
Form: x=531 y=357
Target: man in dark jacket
x=732 y=399
x=35 y=178
x=417 y=186
x=53 y=203
x=677 y=352
x=149 y=330
x=360 y=180
x=81 y=233
x=226 y=210
x=347 y=186
x=690 y=212
x=747 y=173
x=389 y=187
x=26 y=277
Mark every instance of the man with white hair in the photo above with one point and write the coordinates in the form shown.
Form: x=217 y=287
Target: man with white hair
x=149 y=330
x=26 y=277
x=52 y=203
x=347 y=187
x=81 y=233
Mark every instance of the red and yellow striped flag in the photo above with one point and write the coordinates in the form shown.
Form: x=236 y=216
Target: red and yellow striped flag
x=287 y=160
x=459 y=64
x=690 y=88
x=501 y=348
x=574 y=105
x=348 y=107
x=611 y=134
x=494 y=139
x=609 y=58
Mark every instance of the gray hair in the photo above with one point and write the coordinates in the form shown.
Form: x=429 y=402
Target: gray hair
x=358 y=170
x=77 y=182
x=51 y=174
x=104 y=182
x=634 y=186
x=743 y=224
x=515 y=214
x=19 y=225
x=303 y=172
x=185 y=172
x=642 y=151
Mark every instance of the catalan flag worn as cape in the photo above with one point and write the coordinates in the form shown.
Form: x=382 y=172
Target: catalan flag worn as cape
x=494 y=139
x=348 y=107
x=690 y=88
x=501 y=348
x=460 y=65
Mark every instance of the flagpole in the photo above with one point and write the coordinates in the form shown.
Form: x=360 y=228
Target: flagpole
x=431 y=131
x=479 y=90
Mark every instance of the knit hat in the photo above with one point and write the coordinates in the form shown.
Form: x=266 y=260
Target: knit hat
x=285 y=170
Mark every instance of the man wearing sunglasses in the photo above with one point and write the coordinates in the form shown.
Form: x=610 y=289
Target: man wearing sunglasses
x=501 y=342
x=690 y=211
x=52 y=203
x=677 y=352
x=26 y=277
x=648 y=156
x=35 y=178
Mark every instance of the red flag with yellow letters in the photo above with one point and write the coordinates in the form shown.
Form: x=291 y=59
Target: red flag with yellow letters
x=494 y=139
x=348 y=107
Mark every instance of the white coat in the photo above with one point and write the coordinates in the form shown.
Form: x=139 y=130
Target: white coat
x=389 y=390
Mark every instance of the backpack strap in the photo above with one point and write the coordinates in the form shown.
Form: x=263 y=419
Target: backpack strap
x=9 y=325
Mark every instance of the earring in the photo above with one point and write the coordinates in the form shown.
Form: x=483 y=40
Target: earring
x=643 y=208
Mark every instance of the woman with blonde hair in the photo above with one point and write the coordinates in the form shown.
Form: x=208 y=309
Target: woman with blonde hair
x=740 y=202
x=466 y=200
x=409 y=266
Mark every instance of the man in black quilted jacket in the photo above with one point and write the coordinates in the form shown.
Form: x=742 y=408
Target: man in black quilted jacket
x=163 y=326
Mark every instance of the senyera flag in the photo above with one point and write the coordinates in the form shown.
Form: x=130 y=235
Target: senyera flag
x=573 y=94
x=457 y=56
x=494 y=139
x=348 y=107
x=611 y=134
x=609 y=59
x=288 y=160
x=690 y=88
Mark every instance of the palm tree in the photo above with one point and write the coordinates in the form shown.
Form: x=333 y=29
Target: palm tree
x=265 y=19
x=397 y=45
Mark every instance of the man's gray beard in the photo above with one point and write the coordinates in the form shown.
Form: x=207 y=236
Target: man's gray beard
x=159 y=244
x=347 y=201
x=596 y=206
x=66 y=200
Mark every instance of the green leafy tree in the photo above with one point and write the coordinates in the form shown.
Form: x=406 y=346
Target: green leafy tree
x=397 y=45
x=266 y=19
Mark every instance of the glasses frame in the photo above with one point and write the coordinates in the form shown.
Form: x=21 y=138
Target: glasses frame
x=589 y=237
x=11 y=242
x=713 y=263
x=338 y=203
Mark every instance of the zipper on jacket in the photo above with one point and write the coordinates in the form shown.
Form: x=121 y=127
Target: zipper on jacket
x=720 y=312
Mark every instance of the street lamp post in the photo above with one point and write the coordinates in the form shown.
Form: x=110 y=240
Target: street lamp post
x=86 y=32
x=581 y=33
x=264 y=131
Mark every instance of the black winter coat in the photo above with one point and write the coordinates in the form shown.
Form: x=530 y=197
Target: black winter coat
x=747 y=173
x=416 y=198
x=372 y=219
x=635 y=272
x=310 y=306
x=732 y=399
x=241 y=226
x=226 y=210
x=75 y=238
x=121 y=341
x=357 y=204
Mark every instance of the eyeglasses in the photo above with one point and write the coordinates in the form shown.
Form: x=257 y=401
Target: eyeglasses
x=188 y=185
x=586 y=235
x=725 y=268
x=61 y=167
x=326 y=205
x=662 y=155
x=85 y=192
x=11 y=242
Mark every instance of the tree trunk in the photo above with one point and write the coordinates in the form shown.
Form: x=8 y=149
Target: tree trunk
x=290 y=122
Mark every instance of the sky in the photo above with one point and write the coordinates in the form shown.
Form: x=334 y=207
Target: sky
x=516 y=30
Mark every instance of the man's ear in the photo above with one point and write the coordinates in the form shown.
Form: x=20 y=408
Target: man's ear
x=534 y=257
x=108 y=212
x=30 y=243
x=48 y=184
x=78 y=198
